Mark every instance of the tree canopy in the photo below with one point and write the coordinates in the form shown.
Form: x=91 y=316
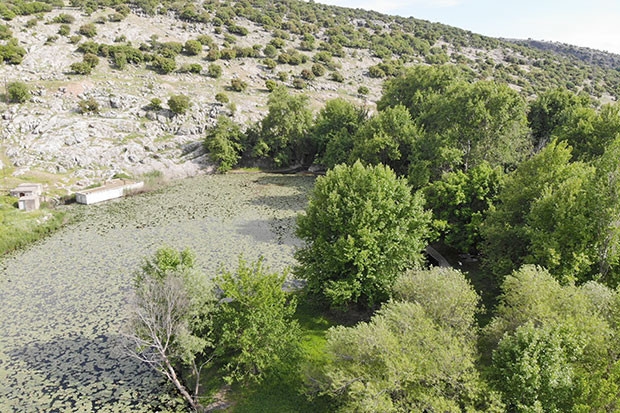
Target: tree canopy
x=361 y=228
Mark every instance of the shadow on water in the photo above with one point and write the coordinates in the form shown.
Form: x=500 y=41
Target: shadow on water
x=303 y=183
x=280 y=231
x=301 y=186
x=80 y=372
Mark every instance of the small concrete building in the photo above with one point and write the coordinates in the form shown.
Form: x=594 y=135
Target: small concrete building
x=116 y=188
x=29 y=196
x=27 y=190
x=28 y=203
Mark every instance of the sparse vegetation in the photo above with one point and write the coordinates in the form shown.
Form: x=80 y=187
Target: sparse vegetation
x=18 y=92
x=179 y=104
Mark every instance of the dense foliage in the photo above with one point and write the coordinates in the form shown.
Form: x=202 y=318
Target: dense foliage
x=416 y=354
x=362 y=228
x=505 y=145
x=183 y=321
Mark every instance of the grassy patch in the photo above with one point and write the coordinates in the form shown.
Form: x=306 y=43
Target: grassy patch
x=286 y=394
x=19 y=228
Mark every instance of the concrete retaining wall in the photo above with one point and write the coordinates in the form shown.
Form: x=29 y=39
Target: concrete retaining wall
x=112 y=190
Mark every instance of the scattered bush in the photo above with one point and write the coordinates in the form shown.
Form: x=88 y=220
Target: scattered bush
x=88 y=30
x=307 y=74
x=213 y=54
x=299 y=83
x=89 y=105
x=238 y=30
x=115 y=17
x=214 y=70
x=270 y=63
x=205 y=40
x=64 y=18
x=81 y=68
x=64 y=30
x=363 y=90
x=270 y=51
x=318 y=69
x=270 y=84
x=18 y=92
x=337 y=77
x=91 y=59
x=163 y=65
x=179 y=104
x=155 y=104
x=50 y=39
x=228 y=54
x=5 y=32
x=11 y=53
x=190 y=68
x=193 y=47
x=222 y=98
x=238 y=85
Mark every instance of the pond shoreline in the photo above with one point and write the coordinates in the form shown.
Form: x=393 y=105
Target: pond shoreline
x=64 y=297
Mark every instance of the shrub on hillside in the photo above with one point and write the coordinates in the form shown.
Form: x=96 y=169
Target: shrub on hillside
x=18 y=92
x=179 y=104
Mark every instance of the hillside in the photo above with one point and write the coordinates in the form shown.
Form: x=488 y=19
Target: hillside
x=143 y=54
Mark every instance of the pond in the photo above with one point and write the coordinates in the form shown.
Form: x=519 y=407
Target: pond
x=64 y=299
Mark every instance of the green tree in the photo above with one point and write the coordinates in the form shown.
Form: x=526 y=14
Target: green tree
x=589 y=131
x=255 y=328
x=484 y=121
x=362 y=227
x=171 y=320
x=224 y=143
x=460 y=202
x=552 y=345
x=550 y=110
x=389 y=138
x=552 y=212
x=415 y=354
x=284 y=132
x=417 y=87
x=334 y=129
x=446 y=295
x=179 y=104
x=18 y=92
x=532 y=369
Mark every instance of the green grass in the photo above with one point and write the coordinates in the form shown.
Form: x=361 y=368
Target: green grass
x=285 y=394
x=19 y=228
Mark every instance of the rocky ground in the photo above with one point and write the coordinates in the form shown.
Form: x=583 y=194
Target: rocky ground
x=48 y=139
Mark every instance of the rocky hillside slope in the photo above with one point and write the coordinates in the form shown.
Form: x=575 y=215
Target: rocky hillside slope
x=49 y=139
